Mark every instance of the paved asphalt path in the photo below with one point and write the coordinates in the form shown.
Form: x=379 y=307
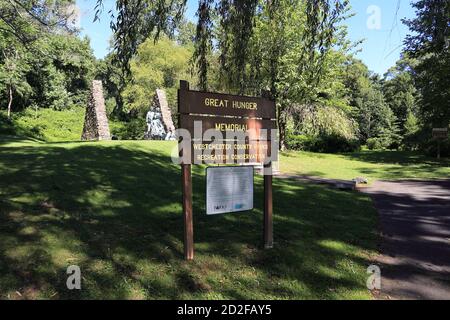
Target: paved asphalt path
x=415 y=247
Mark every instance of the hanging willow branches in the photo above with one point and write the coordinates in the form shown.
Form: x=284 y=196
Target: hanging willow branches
x=232 y=21
x=203 y=42
x=29 y=20
x=236 y=22
x=133 y=21
x=323 y=18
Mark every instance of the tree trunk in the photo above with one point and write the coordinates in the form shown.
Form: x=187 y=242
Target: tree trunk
x=10 y=101
x=281 y=128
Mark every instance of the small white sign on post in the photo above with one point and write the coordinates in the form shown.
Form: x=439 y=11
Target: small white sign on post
x=229 y=189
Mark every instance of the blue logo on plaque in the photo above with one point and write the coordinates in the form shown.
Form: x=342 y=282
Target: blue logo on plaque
x=238 y=206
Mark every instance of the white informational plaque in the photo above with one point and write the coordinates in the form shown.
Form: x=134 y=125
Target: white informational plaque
x=229 y=189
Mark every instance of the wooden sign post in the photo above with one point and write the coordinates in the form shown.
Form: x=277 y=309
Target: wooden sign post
x=440 y=134
x=231 y=116
x=186 y=182
x=268 y=207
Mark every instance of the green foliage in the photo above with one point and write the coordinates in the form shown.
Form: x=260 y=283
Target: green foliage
x=277 y=45
x=64 y=73
x=13 y=72
x=31 y=33
x=323 y=143
x=54 y=92
x=380 y=143
x=297 y=50
x=28 y=20
x=288 y=52
x=114 y=209
x=6 y=125
x=46 y=124
x=185 y=35
x=412 y=136
x=322 y=129
x=134 y=21
x=374 y=165
x=158 y=65
x=374 y=116
x=326 y=121
x=400 y=92
x=411 y=124
x=130 y=130
x=299 y=142
x=53 y=71
x=429 y=44
x=430 y=147
x=374 y=144
x=387 y=138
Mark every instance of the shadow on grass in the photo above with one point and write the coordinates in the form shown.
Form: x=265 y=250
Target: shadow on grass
x=403 y=158
x=115 y=210
x=401 y=164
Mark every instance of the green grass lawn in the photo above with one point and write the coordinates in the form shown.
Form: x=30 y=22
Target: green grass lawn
x=46 y=124
x=49 y=125
x=374 y=165
x=114 y=209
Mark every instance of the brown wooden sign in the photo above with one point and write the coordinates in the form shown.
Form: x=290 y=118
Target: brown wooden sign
x=440 y=133
x=206 y=103
x=254 y=129
x=242 y=118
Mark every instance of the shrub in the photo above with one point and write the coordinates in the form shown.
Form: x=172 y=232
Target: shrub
x=328 y=144
x=335 y=143
x=52 y=125
x=46 y=124
x=411 y=142
x=6 y=125
x=322 y=129
x=299 y=142
x=386 y=140
x=132 y=130
x=374 y=144
x=324 y=121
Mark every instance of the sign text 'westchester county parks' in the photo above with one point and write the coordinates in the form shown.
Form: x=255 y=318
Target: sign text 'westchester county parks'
x=226 y=129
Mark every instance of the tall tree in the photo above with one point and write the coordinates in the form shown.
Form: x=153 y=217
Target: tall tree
x=373 y=114
x=135 y=20
x=227 y=26
x=26 y=29
x=429 y=43
x=400 y=92
x=286 y=53
x=156 y=66
x=28 y=20
x=13 y=76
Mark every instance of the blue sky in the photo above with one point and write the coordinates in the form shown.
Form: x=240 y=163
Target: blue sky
x=376 y=21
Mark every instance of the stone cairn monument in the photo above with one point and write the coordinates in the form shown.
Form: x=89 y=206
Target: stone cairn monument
x=159 y=119
x=96 y=122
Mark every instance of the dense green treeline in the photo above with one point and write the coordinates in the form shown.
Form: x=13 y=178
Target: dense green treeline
x=43 y=63
x=327 y=100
